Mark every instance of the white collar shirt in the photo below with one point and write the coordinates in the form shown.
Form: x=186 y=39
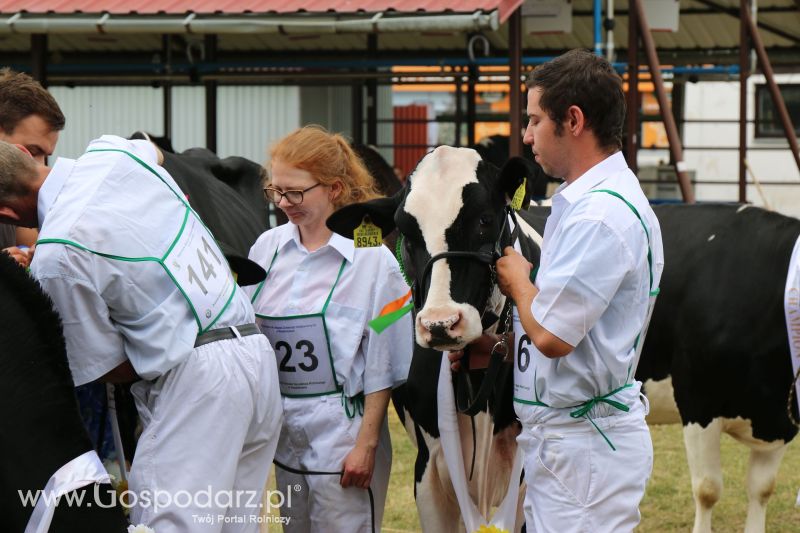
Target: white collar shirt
x=594 y=283
x=299 y=283
x=110 y=309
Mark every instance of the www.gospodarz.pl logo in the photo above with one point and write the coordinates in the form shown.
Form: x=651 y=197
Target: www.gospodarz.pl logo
x=249 y=501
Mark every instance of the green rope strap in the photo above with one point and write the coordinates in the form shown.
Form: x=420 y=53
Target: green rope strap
x=582 y=410
x=353 y=406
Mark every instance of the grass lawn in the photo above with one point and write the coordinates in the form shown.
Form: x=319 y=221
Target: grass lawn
x=668 y=504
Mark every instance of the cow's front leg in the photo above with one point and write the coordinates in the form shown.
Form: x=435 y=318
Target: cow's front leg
x=436 y=501
x=761 y=472
x=703 y=455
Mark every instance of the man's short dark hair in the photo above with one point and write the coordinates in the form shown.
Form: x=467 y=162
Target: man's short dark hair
x=588 y=81
x=20 y=97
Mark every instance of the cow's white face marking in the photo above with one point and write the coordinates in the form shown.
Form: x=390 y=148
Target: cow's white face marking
x=711 y=238
x=435 y=201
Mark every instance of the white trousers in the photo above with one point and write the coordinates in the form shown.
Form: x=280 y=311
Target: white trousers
x=317 y=435
x=577 y=483
x=211 y=426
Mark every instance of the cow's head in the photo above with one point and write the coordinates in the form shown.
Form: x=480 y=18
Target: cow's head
x=453 y=223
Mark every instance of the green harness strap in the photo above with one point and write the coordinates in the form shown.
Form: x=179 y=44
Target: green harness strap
x=159 y=260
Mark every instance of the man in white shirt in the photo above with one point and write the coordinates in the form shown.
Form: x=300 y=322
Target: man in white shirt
x=580 y=324
x=145 y=294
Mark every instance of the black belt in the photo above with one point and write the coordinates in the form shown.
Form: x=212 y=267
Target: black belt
x=229 y=332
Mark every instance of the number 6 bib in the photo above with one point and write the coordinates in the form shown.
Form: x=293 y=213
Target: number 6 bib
x=302 y=348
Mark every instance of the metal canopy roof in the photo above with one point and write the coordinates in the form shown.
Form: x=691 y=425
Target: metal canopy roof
x=269 y=29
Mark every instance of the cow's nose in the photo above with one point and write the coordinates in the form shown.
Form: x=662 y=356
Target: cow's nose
x=441 y=327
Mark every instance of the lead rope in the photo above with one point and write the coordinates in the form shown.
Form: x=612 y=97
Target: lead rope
x=790 y=402
x=323 y=473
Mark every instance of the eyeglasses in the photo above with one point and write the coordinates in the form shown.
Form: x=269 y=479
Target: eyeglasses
x=294 y=197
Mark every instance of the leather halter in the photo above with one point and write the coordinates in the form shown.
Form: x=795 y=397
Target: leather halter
x=487 y=254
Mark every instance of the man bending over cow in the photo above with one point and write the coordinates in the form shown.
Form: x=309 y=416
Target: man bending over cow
x=588 y=452
x=30 y=116
x=145 y=295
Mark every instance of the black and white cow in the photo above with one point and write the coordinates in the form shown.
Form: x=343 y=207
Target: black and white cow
x=719 y=329
x=453 y=202
x=718 y=338
x=42 y=428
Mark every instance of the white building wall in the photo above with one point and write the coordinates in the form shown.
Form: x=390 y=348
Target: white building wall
x=720 y=101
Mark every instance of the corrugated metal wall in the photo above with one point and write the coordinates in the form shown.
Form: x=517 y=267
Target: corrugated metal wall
x=332 y=107
x=249 y=118
x=93 y=111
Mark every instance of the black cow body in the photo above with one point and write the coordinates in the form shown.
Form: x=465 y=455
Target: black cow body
x=453 y=202
x=42 y=425
x=719 y=332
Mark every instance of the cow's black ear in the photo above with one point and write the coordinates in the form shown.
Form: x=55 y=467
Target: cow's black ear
x=511 y=175
x=381 y=212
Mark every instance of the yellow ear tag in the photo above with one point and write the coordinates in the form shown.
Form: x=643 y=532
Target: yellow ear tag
x=367 y=235
x=519 y=196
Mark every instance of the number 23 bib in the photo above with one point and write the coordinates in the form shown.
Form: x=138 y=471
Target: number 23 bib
x=302 y=348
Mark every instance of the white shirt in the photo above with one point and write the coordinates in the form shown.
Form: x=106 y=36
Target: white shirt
x=299 y=283
x=112 y=310
x=594 y=283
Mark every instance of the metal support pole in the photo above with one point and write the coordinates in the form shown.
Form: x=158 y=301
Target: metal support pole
x=515 y=88
x=744 y=72
x=675 y=147
x=777 y=97
x=632 y=100
x=357 y=109
x=166 y=44
x=210 y=43
x=39 y=58
x=471 y=111
x=598 y=27
x=372 y=93
x=459 y=110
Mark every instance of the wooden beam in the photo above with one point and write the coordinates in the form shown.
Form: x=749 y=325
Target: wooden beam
x=777 y=97
x=675 y=148
x=632 y=97
x=744 y=73
x=515 y=89
x=763 y=25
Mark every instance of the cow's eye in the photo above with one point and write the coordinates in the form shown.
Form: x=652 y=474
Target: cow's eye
x=485 y=220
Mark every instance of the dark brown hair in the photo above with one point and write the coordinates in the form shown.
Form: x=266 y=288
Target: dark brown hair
x=21 y=96
x=583 y=79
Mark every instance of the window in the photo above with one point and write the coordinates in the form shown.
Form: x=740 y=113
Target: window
x=768 y=122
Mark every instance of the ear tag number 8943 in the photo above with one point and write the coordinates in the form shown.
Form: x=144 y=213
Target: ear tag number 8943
x=367 y=235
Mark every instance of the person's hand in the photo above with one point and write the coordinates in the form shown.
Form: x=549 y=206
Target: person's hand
x=480 y=351
x=513 y=272
x=358 y=467
x=23 y=257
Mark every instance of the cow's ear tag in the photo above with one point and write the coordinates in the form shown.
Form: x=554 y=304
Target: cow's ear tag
x=519 y=196
x=367 y=235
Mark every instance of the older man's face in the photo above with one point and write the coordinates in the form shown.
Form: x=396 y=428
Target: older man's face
x=35 y=134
